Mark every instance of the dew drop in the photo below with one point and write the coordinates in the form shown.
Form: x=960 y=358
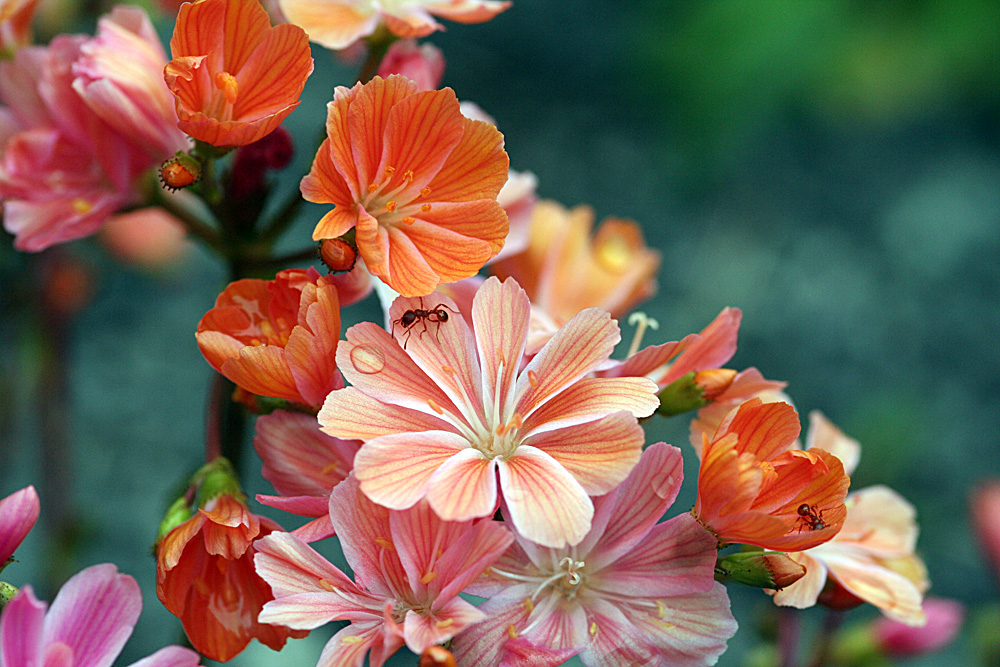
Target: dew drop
x=368 y=359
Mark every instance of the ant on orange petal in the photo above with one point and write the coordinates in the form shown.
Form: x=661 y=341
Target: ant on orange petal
x=810 y=517
x=437 y=314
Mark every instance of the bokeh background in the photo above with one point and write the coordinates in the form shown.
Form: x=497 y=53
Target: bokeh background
x=831 y=168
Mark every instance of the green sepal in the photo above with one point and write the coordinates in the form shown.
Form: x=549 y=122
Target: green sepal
x=7 y=593
x=680 y=396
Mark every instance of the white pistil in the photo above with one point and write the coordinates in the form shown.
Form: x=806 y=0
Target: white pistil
x=643 y=322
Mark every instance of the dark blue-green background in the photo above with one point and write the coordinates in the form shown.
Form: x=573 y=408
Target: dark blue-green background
x=830 y=168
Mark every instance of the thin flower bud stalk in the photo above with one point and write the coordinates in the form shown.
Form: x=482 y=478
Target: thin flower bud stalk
x=986 y=521
x=761 y=569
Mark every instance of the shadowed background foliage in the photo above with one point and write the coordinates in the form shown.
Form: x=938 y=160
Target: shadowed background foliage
x=830 y=168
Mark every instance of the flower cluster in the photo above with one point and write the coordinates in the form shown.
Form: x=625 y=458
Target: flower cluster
x=484 y=438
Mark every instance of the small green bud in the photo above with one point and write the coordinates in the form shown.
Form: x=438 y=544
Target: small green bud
x=218 y=478
x=761 y=569
x=178 y=513
x=7 y=593
x=680 y=396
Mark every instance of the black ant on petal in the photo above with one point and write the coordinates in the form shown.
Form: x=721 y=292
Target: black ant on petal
x=437 y=314
x=810 y=517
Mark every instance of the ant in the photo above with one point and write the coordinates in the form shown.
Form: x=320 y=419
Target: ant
x=437 y=314
x=810 y=517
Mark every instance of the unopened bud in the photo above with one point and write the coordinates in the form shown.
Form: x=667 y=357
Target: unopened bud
x=714 y=381
x=437 y=656
x=180 y=171
x=681 y=395
x=762 y=569
x=179 y=512
x=338 y=255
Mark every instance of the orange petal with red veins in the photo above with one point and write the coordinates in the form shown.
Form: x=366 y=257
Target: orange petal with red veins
x=373 y=244
x=334 y=25
x=262 y=370
x=451 y=256
x=393 y=470
x=480 y=219
x=272 y=79
x=598 y=454
x=728 y=482
x=545 y=503
x=408 y=272
x=764 y=429
x=368 y=118
x=338 y=143
x=477 y=168
x=410 y=27
x=464 y=487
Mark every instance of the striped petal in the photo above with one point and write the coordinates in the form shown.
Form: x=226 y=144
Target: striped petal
x=394 y=469
x=592 y=398
x=464 y=487
x=352 y=414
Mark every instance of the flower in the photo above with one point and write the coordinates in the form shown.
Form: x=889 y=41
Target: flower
x=276 y=337
x=566 y=269
x=86 y=626
x=756 y=487
x=986 y=521
x=15 y=24
x=336 y=24
x=900 y=640
x=148 y=237
x=81 y=131
x=409 y=568
x=415 y=178
x=421 y=63
x=303 y=464
x=233 y=76
x=205 y=577
x=18 y=514
x=633 y=592
x=446 y=412
x=872 y=558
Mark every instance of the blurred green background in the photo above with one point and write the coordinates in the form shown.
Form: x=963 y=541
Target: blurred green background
x=831 y=168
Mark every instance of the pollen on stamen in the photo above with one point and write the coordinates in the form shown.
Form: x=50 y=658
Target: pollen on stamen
x=434 y=406
x=503 y=359
x=389 y=171
x=408 y=220
x=529 y=605
x=444 y=623
x=429 y=577
x=661 y=609
x=533 y=379
x=502 y=428
x=227 y=83
x=593 y=628
x=512 y=631
x=329 y=468
x=391 y=205
x=372 y=187
x=256 y=342
x=327 y=585
x=408 y=175
x=448 y=369
x=425 y=192
x=426 y=208
x=351 y=639
x=384 y=543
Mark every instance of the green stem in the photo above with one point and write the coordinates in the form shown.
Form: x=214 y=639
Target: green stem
x=285 y=215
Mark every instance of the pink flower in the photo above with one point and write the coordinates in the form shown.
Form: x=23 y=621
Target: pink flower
x=633 y=592
x=65 y=167
x=18 y=514
x=900 y=640
x=986 y=520
x=303 y=464
x=421 y=63
x=336 y=24
x=87 y=625
x=872 y=558
x=409 y=569
x=444 y=414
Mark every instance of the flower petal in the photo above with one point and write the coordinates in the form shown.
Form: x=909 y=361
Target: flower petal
x=464 y=487
x=715 y=346
x=546 y=504
x=501 y=312
x=18 y=514
x=334 y=25
x=803 y=593
x=393 y=470
x=591 y=398
x=368 y=119
x=350 y=413
x=22 y=635
x=477 y=168
x=437 y=627
x=300 y=460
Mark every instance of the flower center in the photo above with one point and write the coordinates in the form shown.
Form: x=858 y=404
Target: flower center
x=224 y=100
x=393 y=203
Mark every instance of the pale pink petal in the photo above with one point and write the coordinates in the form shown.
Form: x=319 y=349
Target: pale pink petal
x=334 y=25
x=18 y=514
x=316 y=530
x=300 y=460
x=466 y=559
x=676 y=558
x=591 y=398
x=894 y=594
x=437 y=627
x=464 y=486
x=691 y=630
x=522 y=653
x=170 y=656
x=615 y=641
x=481 y=644
x=394 y=469
x=747 y=384
x=366 y=539
x=880 y=521
x=546 y=504
x=349 y=413
x=94 y=613
x=375 y=364
x=599 y=454
x=290 y=566
x=803 y=593
x=501 y=312
x=22 y=640
x=313 y=506
x=583 y=343
x=348 y=647
x=824 y=435
x=555 y=625
x=626 y=514
x=649 y=359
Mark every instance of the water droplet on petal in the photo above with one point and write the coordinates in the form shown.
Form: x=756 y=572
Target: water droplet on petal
x=368 y=359
x=662 y=484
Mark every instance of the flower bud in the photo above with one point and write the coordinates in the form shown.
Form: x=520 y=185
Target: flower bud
x=682 y=395
x=714 y=381
x=180 y=171
x=437 y=656
x=7 y=593
x=338 y=255
x=421 y=63
x=898 y=640
x=986 y=521
x=763 y=569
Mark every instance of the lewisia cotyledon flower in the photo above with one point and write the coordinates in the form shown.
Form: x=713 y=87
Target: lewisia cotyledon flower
x=633 y=592
x=409 y=568
x=450 y=411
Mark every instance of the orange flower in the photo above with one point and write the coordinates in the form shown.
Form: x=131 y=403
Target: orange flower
x=416 y=178
x=205 y=577
x=755 y=487
x=233 y=76
x=277 y=337
x=565 y=269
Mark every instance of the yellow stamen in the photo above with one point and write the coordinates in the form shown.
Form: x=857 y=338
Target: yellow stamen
x=330 y=468
x=434 y=406
x=408 y=175
x=448 y=369
x=82 y=206
x=426 y=208
x=661 y=609
x=384 y=543
x=445 y=623
x=256 y=342
x=533 y=379
x=529 y=605
x=327 y=585
x=408 y=220
x=425 y=192
x=512 y=631
x=227 y=83
x=429 y=577
x=372 y=187
x=391 y=205
x=389 y=171
x=351 y=640
x=593 y=628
